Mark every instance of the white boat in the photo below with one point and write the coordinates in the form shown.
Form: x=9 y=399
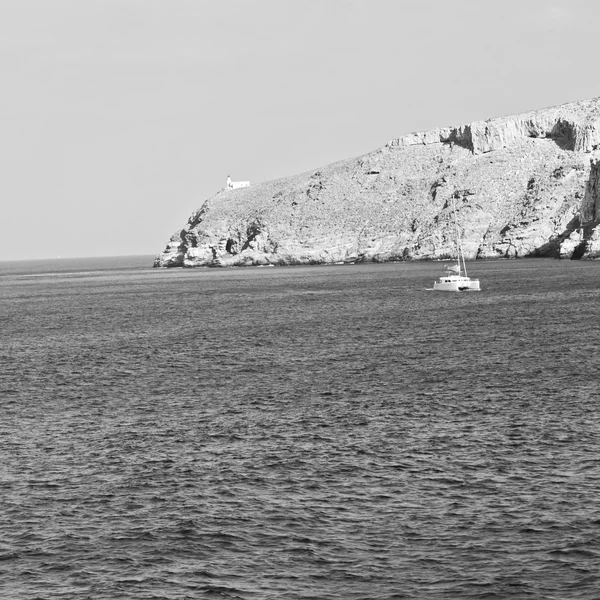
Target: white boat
x=456 y=279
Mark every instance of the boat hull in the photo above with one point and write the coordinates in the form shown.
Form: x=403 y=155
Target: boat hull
x=456 y=284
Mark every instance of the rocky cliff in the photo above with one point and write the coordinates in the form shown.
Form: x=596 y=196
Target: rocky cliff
x=523 y=185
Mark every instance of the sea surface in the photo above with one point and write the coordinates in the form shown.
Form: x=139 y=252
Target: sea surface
x=315 y=432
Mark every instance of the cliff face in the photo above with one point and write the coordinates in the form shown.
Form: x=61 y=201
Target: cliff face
x=524 y=185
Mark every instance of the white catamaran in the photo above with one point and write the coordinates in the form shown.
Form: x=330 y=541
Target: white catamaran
x=456 y=279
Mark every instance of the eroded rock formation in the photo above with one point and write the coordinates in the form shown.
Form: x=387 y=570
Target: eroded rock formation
x=524 y=185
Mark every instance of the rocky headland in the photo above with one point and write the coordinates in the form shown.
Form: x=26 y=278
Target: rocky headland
x=523 y=186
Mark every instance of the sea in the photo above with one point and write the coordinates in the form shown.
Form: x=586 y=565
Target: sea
x=310 y=432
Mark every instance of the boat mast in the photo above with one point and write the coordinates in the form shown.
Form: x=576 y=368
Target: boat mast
x=459 y=252
x=462 y=254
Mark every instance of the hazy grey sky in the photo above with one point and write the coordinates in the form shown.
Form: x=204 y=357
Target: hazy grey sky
x=118 y=118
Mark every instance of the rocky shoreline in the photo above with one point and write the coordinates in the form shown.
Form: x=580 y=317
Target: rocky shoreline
x=524 y=186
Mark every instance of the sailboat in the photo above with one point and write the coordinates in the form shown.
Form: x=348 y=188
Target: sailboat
x=456 y=278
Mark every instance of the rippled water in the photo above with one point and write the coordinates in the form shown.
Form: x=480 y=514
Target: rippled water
x=319 y=432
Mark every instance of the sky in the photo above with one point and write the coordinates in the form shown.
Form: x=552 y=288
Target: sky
x=119 y=118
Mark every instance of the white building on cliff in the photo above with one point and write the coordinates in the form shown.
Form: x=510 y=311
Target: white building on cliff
x=234 y=185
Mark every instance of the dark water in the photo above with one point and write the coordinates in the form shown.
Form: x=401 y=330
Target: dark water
x=325 y=432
